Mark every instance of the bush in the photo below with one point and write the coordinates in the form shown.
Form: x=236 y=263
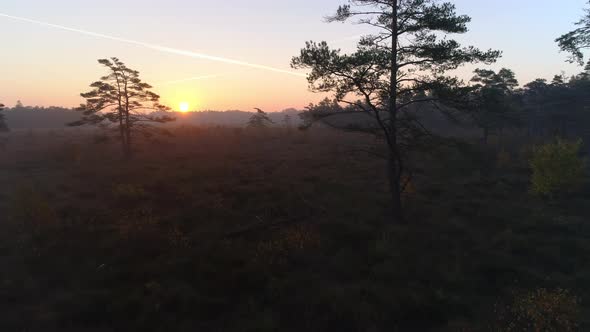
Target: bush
x=69 y=153
x=504 y=159
x=557 y=168
x=31 y=210
x=128 y=192
x=543 y=310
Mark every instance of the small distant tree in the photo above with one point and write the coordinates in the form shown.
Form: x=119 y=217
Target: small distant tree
x=19 y=105
x=259 y=119
x=400 y=66
x=493 y=102
x=121 y=101
x=3 y=126
x=575 y=41
x=557 y=168
x=319 y=112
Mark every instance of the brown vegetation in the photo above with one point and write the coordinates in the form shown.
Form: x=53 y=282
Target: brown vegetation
x=235 y=229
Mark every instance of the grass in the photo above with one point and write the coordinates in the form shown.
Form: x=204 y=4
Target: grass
x=226 y=229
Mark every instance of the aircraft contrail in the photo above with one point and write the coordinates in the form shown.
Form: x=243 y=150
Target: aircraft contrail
x=196 y=78
x=155 y=47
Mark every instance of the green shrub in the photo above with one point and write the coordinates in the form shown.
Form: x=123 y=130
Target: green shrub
x=557 y=168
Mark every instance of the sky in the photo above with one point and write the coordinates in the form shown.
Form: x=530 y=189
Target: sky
x=197 y=51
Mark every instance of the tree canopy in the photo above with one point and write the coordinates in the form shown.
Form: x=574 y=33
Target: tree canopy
x=493 y=99
x=577 y=40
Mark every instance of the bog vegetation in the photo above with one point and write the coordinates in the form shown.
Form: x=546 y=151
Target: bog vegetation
x=558 y=168
x=407 y=201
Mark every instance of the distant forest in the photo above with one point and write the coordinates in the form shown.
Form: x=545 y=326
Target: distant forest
x=55 y=117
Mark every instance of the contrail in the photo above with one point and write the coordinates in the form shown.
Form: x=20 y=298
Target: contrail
x=156 y=47
x=196 y=78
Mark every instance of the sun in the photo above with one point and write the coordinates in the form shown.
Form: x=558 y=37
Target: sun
x=184 y=106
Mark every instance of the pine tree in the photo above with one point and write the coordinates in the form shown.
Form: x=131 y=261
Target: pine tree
x=493 y=103
x=259 y=119
x=120 y=100
x=400 y=66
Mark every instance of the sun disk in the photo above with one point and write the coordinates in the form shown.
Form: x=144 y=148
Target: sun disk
x=184 y=107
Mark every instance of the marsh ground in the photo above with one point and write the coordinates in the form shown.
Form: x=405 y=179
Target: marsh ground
x=228 y=229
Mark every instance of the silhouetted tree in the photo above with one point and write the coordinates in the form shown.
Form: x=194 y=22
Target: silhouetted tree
x=121 y=100
x=493 y=102
x=319 y=112
x=259 y=119
x=575 y=41
x=389 y=72
x=533 y=95
x=19 y=105
x=554 y=107
x=3 y=126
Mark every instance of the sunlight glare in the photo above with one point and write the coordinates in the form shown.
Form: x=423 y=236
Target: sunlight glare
x=184 y=107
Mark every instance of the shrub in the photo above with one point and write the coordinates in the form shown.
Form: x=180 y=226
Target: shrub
x=101 y=139
x=557 y=168
x=504 y=159
x=178 y=239
x=292 y=240
x=31 y=210
x=139 y=224
x=128 y=192
x=69 y=153
x=544 y=310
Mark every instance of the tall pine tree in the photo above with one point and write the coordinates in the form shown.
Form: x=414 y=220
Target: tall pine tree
x=401 y=65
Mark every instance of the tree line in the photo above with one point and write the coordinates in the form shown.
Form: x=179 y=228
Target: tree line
x=494 y=102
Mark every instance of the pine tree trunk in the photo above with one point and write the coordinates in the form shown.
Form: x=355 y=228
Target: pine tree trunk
x=394 y=166
x=122 y=134
x=128 y=151
x=126 y=133
x=395 y=189
x=120 y=111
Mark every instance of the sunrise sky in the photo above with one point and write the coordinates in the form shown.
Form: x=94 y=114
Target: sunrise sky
x=43 y=65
